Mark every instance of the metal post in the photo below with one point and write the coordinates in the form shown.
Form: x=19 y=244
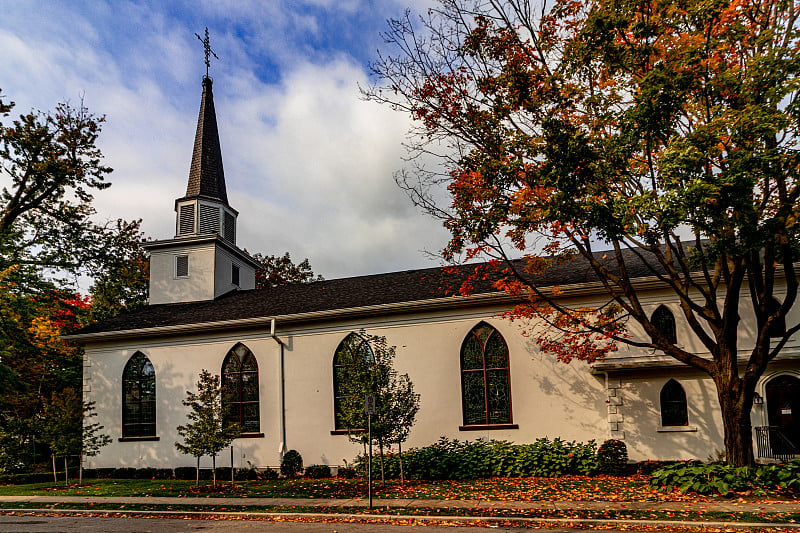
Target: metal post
x=369 y=463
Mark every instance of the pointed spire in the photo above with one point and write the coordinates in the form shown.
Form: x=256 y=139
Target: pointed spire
x=206 y=176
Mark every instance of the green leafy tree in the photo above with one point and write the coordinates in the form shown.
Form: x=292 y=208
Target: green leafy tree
x=67 y=429
x=396 y=403
x=50 y=165
x=280 y=270
x=206 y=433
x=124 y=283
x=621 y=135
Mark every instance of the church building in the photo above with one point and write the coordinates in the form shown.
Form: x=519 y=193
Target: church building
x=478 y=375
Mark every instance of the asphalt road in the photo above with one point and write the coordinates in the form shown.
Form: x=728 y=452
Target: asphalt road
x=69 y=524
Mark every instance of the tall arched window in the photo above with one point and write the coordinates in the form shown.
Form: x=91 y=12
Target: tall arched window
x=673 y=405
x=352 y=348
x=485 y=378
x=240 y=388
x=139 y=397
x=664 y=321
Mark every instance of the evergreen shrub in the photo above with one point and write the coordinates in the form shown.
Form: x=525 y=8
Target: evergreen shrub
x=267 y=474
x=292 y=463
x=612 y=457
x=346 y=472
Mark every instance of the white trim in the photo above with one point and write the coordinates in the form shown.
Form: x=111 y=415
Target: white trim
x=675 y=429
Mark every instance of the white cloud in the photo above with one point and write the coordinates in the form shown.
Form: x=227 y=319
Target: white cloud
x=309 y=164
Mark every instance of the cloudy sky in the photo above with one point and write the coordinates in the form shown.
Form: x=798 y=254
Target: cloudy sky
x=308 y=164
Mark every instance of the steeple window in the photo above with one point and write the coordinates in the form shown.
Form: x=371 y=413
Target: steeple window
x=209 y=219
x=186 y=219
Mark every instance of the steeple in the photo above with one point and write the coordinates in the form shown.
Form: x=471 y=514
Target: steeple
x=205 y=209
x=206 y=175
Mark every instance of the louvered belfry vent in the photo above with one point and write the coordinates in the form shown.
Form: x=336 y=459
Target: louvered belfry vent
x=209 y=219
x=230 y=227
x=181 y=266
x=186 y=220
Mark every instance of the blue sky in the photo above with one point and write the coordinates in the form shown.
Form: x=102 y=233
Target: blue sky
x=308 y=163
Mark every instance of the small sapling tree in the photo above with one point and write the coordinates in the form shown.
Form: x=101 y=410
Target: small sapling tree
x=206 y=433
x=66 y=429
x=396 y=403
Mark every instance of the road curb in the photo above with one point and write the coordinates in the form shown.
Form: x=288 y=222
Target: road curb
x=350 y=517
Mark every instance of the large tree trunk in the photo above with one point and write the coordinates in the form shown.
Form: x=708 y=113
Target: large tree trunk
x=736 y=401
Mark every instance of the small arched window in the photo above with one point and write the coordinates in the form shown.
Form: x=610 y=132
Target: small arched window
x=778 y=327
x=352 y=348
x=673 y=405
x=139 y=397
x=664 y=321
x=240 y=389
x=485 y=378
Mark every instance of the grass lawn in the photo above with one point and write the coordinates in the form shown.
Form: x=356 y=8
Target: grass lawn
x=580 y=488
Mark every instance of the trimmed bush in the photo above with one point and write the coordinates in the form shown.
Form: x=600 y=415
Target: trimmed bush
x=292 y=463
x=188 y=473
x=612 y=457
x=267 y=474
x=318 y=471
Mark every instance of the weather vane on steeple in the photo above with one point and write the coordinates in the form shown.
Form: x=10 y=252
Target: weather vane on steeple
x=207 y=47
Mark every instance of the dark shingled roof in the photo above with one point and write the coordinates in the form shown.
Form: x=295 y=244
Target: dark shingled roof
x=339 y=294
x=206 y=176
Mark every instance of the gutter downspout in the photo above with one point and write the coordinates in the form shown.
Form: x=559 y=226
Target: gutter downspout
x=282 y=445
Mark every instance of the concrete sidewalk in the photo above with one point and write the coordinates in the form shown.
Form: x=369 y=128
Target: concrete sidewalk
x=220 y=508
x=546 y=505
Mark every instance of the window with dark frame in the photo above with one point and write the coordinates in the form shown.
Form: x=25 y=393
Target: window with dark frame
x=235 y=274
x=138 y=397
x=181 y=266
x=240 y=389
x=485 y=378
x=352 y=346
x=674 y=410
x=664 y=321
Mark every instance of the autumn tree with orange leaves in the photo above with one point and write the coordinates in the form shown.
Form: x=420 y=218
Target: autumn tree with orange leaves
x=657 y=132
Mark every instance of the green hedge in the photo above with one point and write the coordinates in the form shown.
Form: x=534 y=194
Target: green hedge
x=454 y=459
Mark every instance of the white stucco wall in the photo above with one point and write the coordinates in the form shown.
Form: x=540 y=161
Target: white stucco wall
x=549 y=398
x=165 y=287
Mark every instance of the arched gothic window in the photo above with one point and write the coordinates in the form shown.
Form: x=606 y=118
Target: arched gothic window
x=139 y=397
x=673 y=405
x=352 y=348
x=240 y=388
x=485 y=378
x=664 y=321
